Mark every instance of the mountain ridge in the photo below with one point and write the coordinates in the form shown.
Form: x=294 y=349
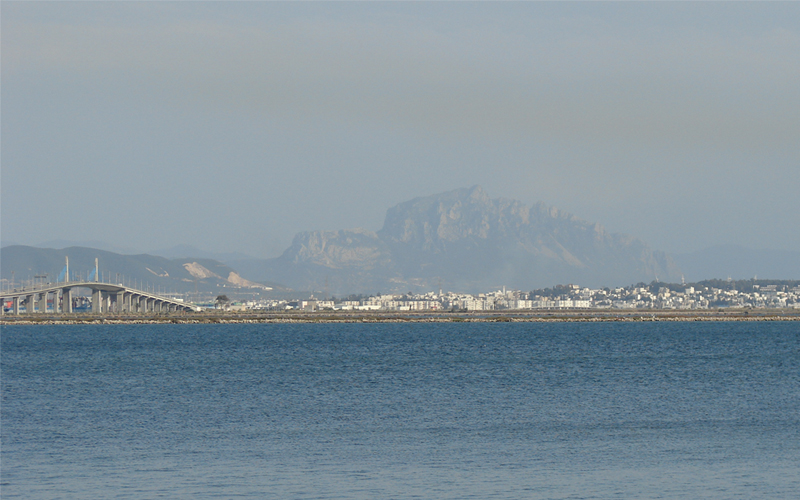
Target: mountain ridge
x=140 y=270
x=469 y=242
x=461 y=240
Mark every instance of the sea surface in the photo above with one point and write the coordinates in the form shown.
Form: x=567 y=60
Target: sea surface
x=410 y=410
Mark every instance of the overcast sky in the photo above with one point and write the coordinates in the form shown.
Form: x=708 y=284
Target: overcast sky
x=232 y=126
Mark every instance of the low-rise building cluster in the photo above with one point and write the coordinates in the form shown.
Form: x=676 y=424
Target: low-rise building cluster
x=641 y=296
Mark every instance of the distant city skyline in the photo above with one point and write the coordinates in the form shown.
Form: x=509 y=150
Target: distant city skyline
x=232 y=126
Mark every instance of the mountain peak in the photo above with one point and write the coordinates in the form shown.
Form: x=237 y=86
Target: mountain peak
x=470 y=242
x=476 y=192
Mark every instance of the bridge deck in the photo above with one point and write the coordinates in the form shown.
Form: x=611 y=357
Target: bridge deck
x=131 y=298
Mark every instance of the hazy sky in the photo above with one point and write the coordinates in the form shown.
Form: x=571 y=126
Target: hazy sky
x=232 y=126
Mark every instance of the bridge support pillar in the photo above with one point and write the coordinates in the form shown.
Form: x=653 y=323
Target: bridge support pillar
x=66 y=301
x=16 y=305
x=142 y=304
x=55 y=301
x=120 y=302
x=30 y=304
x=97 y=301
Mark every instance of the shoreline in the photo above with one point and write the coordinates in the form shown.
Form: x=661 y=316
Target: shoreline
x=406 y=317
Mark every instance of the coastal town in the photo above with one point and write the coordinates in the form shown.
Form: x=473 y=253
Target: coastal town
x=662 y=296
x=114 y=298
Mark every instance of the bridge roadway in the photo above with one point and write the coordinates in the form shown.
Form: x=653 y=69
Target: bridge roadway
x=106 y=298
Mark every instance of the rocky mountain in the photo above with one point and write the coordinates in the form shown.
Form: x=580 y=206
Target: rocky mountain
x=466 y=241
x=461 y=240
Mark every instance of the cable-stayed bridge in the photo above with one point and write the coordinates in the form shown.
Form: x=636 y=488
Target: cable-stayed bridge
x=107 y=297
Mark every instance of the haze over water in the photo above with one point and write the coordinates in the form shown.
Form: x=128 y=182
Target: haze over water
x=567 y=410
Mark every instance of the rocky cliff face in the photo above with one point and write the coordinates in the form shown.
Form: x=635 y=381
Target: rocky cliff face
x=469 y=242
x=349 y=248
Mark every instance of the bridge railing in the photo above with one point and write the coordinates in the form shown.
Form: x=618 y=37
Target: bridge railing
x=34 y=287
x=37 y=287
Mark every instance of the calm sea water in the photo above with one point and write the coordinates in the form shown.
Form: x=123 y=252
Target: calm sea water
x=655 y=410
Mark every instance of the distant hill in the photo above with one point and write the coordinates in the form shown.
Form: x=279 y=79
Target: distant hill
x=188 y=251
x=460 y=240
x=468 y=242
x=100 y=245
x=169 y=275
x=738 y=262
